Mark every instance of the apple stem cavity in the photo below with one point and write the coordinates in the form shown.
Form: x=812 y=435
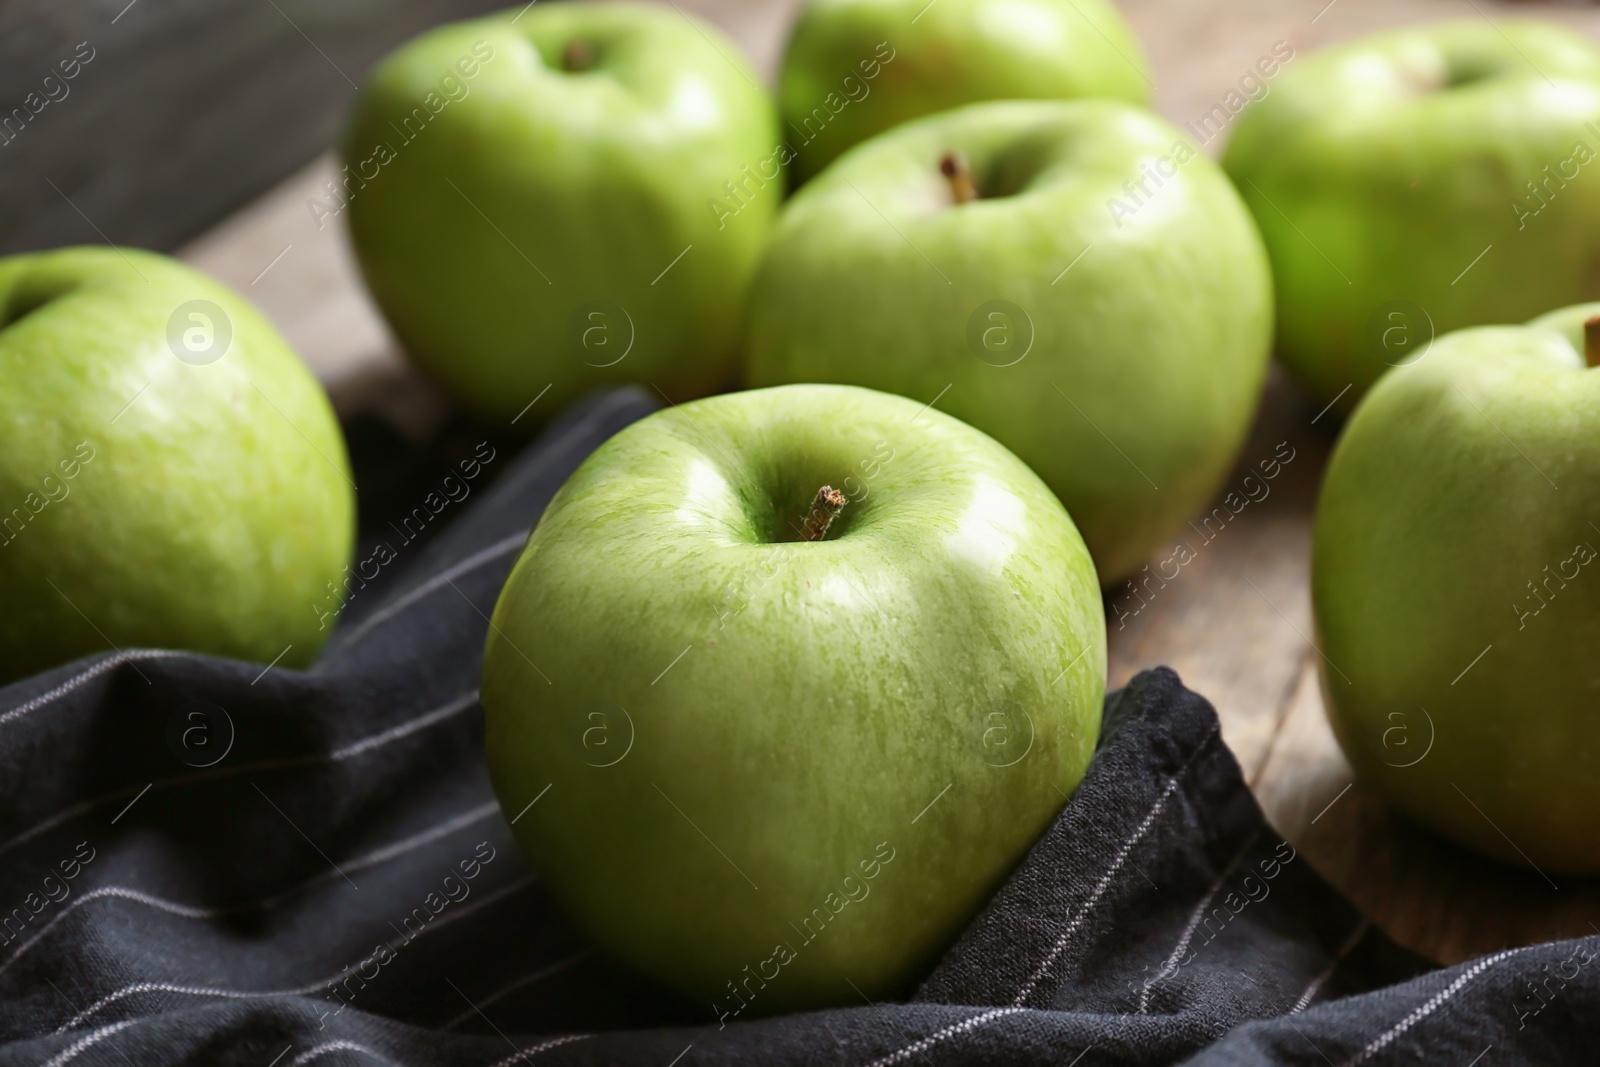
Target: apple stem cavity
x=577 y=56
x=1591 y=341
x=953 y=165
x=824 y=510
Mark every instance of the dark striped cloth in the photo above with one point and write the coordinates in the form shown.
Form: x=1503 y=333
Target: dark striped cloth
x=205 y=862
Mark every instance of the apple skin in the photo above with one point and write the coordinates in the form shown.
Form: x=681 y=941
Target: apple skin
x=1148 y=354
x=537 y=199
x=791 y=707
x=941 y=56
x=1365 y=154
x=1439 y=508
x=212 y=505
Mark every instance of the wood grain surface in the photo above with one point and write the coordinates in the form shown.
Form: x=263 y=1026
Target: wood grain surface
x=1235 y=622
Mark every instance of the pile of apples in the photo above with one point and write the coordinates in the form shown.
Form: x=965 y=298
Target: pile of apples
x=787 y=680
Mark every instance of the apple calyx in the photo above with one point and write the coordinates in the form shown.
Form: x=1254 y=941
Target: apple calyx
x=824 y=510
x=953 y=165
x=577 y=56
x=1591 y=341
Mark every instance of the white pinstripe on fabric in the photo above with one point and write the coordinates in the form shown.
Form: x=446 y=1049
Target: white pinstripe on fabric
x=360 y=863
x=522 y=1056
x=88 y=1041
x=1349 y=945
x=431 y=718
x=917 y=1048
x=1434 y=1003
x=1170 y=965
x=1117 y=861
x=344 y=642
x=527 y=979
x=316 y=1052
x=438 y=581
x=269 y=994
x=116 y=659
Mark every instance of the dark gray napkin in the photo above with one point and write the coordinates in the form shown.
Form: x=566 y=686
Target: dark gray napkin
x=202 y=863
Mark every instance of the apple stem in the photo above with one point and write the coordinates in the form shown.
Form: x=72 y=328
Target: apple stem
x=824 y=510
x=578 y=56
x=1591 y=341
x=953 y=165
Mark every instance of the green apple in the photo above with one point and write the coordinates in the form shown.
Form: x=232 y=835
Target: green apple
x=171 y=475
x=1457 y=595
x=782 y=758
x=561 y=196
x=1418 y=181
x=1070 y=277
x=854 y=68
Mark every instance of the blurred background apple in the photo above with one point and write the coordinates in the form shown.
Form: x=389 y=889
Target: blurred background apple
x=1454 y=588
x=854 y=68
x=170 y=474
x=1415 y=182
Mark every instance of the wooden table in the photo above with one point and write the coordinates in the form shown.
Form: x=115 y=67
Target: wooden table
x=1235 y=623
